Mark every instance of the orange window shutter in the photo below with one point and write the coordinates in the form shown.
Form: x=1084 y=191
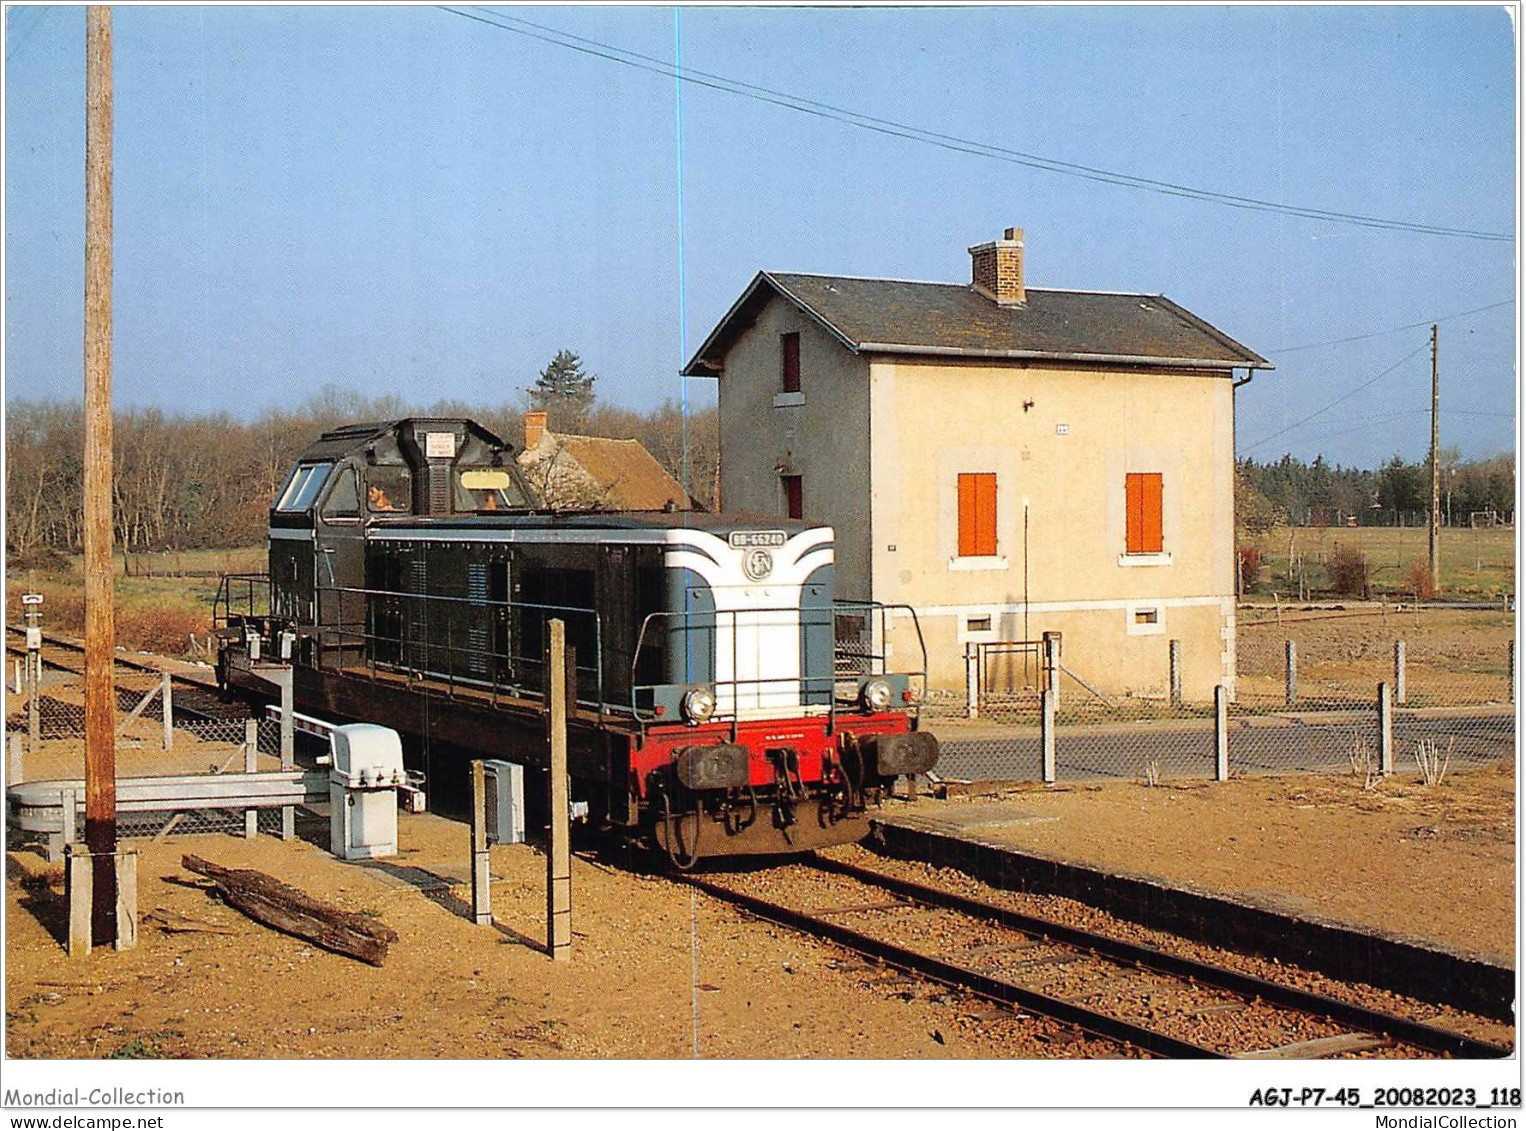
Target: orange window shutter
x=966 y=516
x=1151 y=508
x=1133 y=495
x=985 y=515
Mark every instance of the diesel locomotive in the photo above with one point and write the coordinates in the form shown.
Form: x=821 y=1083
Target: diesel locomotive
x=723 y=702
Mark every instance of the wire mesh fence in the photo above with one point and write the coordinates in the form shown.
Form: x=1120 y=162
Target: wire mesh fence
x=1297 y=710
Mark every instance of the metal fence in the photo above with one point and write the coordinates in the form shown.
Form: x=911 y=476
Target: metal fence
x=1296 y=711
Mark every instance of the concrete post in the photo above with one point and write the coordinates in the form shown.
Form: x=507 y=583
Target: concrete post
x=1052 y=660
x=251 y=765
x=18 y=685
x=1399 y=673
x=1047 y=736
x=482 y=898
x=1176 y=675
x=167 y=709
x=288 y=749
x=70 y=815
x=1220 y=733
x=1292 y=673
x=1385 y=731
x=127 y=900
x=78 y=894
x=14 y=772
x=971 y=682
x=559 y=851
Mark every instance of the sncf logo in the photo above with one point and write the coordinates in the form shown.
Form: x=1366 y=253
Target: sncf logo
x=758 y=563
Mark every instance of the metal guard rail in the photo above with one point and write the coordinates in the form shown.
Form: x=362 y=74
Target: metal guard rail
x=807 y=684
x=498 y=688
x=222 y=604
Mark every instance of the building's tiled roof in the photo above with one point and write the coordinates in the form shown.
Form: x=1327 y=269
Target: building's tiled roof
x=894 y=317
x=628 y=475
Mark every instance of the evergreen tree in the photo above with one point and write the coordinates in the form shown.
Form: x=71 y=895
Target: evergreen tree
x=564 y=391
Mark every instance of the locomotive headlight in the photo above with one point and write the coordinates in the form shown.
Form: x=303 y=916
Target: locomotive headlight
x=698 y=704
x=875 y=695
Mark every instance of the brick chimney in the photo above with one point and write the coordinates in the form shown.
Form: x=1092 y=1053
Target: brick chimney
x=535 y=428
x=996 y=269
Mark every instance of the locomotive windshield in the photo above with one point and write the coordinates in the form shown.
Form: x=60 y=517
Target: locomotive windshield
x=303 y=486
x=487 y=489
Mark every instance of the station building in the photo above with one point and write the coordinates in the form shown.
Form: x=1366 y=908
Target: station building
x=1006 y=460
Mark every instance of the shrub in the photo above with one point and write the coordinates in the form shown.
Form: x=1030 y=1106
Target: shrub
x=165 y=629
x=41 y=558
x=1250 y=560
x=1418 y=581
x=1346 y=568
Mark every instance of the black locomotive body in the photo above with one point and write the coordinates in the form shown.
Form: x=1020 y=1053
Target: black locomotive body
x=724 y=703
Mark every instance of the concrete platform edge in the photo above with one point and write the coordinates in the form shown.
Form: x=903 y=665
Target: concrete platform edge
x=1418 y=969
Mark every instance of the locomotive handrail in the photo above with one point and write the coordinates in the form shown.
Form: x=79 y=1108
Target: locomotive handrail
x=806 y=683
x=734 y=684
x=451 y=677
x=222 y=603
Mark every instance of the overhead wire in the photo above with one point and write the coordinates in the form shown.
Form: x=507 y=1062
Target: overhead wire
x=598 y=49
x=1343 y=397
x=1395 y=329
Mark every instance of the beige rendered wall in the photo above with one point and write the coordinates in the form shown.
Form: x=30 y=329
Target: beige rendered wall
x=821 y=434
x=1061 y=461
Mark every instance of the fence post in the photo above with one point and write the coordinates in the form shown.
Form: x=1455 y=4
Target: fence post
x=482 y=901
x=1399 y=673
x=167 y=709
x=17 y=671
x=251 y=765
x=971 y=682
x=1291 y=648
x=1046 y=735
x=1220 y=732
x=288 y=748
x=1176 y=675
x=13 y=775
x=1385 y=731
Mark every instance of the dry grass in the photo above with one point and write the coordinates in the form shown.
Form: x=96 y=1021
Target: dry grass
x=1433 y=764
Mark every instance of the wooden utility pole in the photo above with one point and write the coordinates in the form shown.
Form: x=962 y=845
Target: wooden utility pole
x=100 y=698
x=1435 y=524
x=559 y=850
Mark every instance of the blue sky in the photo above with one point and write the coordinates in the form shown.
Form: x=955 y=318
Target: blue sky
x=403 y=200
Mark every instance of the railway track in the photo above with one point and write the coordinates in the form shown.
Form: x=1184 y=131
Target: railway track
x=196 y=697
x=1158 y=1003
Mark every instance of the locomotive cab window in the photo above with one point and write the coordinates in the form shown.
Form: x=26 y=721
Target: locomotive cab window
x=389 y=490
x=303 y=486
x=344 y=498
x=487 y=489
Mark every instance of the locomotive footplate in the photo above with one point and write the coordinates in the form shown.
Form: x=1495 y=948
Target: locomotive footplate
x=762 y=837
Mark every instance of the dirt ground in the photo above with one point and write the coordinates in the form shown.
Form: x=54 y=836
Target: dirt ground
x=1451 y=655
x=1430 y=862
x=661 y=972
x=657 y=971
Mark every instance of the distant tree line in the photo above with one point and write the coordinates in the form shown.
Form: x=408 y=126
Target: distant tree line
x=1397 y=493
x=186 y=481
